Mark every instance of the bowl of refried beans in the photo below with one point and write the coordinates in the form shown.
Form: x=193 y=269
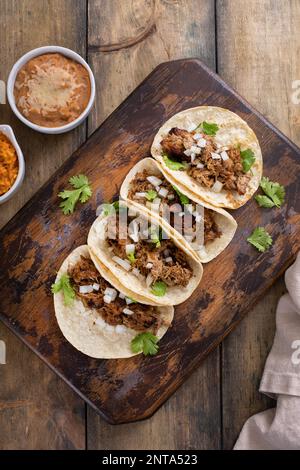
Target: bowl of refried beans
x=51 y=89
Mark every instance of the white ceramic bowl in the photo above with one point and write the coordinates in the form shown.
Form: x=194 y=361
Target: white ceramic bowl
x=7 y=130
x=34 y=53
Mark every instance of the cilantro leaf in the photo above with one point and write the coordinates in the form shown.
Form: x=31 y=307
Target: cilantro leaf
x=156 y=236
x=151 y=195
x=264 y=201
x=64 y=284
x=81 y=192
x=131 y=257
x=248 y=158
x=261 y=239
x=146 y=343
x=132 y=300
x=209 y=128
x=275 y=193
x=159 y=288
x=183 y=198
x=173 y=164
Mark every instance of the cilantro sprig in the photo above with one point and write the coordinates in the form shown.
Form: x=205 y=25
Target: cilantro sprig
x=261 y=239
x=274 y=194
x=159 y=288
x=173 y=164
x=131 y=257
x=183 y=198
x=63 y=283
x=151 y=195
x=145 y=343
x=248 y=158
x=209 y=128
x=82 y=192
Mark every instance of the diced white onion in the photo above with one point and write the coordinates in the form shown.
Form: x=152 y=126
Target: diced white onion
x=127 y=311
x=107 y=299
x=224 y=155
x=149 y=280
x=201 y=143
x=169 y=259
x=96 y=286
x=111 y=292
x=128 y=301
x=134 y=236
x=187 y=152
x=193 y=156
x=171 y=196
x=122 y=296
x=200 y=165
x=217 y=186
x=163 y=192
x=140 y=195
x=85 y=289
x=149 y=265
x=130 y=248
x=215 y=156
x=122 y=262
x=120 y=329
x=154 y=180
x=131 y=212
x=197 y=136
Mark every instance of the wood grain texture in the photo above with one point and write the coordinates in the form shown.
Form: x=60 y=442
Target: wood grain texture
x=126 y=41
x=129 y=390
x=36 y=409
x=258 y=45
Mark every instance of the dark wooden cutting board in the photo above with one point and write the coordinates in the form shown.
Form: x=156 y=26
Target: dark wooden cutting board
x=36 y=241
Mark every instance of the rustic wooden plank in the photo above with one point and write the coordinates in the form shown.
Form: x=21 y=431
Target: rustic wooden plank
x=126 y=41
x=36 y=409
x=189 y=420
x=258 y=47
x=35 y=243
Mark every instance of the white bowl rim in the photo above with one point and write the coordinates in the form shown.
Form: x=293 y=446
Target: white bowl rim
x=7 y=130
x=35 y=53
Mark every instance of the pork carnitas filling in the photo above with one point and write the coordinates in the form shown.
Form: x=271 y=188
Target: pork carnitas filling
x=113 y=307
x=140 y=190
x=212 y=167
x=149 y=257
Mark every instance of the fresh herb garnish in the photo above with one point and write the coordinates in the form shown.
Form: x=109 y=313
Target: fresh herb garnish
x=159 y=288
x=173 y=164
x=64 y=284
x=151 y=195
x=146 y=343
x=132 y=300
x=274 y=193
x=183 y=198
x=156 y=236
x=248 y=158
x=131 y=257
x=261 y=239
x=209 y=128
x=81 y=192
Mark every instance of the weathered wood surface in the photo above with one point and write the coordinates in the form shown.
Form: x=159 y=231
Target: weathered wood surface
x=125 y=391
x=36 y=409
x=258 y=39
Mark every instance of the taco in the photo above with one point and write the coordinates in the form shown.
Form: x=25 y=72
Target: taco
x=100 y=320
x=135 y=251
x=203 y=228
x=212 y=152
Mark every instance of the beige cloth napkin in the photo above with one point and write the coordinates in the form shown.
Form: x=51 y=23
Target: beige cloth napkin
x=279 y=428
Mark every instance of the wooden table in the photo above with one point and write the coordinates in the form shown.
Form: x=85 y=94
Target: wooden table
x=254 y=46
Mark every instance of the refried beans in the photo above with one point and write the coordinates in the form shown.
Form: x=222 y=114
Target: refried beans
x=52 y=90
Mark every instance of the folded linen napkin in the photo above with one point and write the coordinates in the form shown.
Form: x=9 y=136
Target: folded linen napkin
x=279 y=428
